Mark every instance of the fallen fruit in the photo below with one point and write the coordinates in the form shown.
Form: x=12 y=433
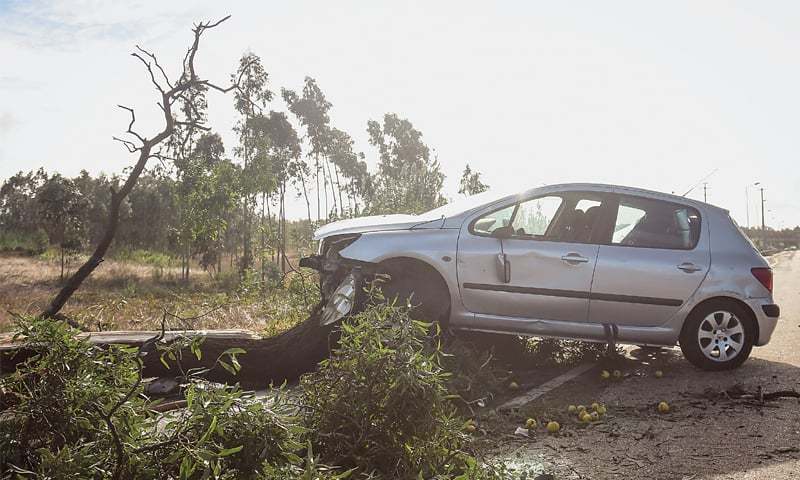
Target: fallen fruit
x=601 y=409
x=581 y=408
x=585 y=417
x=572 y=409
x=553 y=427
x=513 y=386
x=663 y=407
x=595 y=416
x=595 y=406
x=605 y=375
x=530 y=423
x=617 y=374
x=659 y=374
x=469 y=426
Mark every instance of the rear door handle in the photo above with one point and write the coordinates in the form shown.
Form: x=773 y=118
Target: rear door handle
x=574 y=258
x=689 y=267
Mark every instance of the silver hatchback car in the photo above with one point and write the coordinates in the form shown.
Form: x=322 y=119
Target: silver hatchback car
x=583 y=261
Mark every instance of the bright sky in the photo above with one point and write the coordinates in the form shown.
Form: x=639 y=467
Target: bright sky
x=649 y=94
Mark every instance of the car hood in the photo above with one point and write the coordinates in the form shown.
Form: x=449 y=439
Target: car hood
x=373 y=223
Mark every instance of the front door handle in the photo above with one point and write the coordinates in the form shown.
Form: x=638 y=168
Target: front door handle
x=689 y=267
x=574 y=258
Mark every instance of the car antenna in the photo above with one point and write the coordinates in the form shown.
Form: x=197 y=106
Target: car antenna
x=701 y=181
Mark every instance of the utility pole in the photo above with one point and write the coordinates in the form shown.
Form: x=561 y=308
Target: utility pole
x=763 y=221
x=747 y=199
x=705 y=192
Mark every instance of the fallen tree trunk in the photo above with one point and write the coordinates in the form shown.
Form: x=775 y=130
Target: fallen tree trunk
x=283 y=357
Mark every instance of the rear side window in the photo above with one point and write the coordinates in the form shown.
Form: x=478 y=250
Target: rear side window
x=643 y=222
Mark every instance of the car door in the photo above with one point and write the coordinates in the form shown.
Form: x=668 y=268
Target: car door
x=656 y=258
x=549 y=254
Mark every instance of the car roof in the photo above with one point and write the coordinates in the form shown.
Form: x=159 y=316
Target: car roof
x=619 y=189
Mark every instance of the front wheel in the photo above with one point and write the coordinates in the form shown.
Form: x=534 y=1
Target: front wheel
x=718 y=335
x=421 y=287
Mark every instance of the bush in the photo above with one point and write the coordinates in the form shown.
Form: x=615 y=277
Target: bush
x=378 y=408
x=380 y=403
x=74 y=410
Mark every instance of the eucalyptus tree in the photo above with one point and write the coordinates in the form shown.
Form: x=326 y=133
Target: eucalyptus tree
x=407 y=179
x=311 y=109
x=250 y=99
x=280 y=143
x=62 y=211
x=188 y=171
x=352 y=167
x=471 y=183
x=19 y=211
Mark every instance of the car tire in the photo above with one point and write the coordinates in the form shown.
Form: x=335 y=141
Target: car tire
x=718 y=335
x=421 y=287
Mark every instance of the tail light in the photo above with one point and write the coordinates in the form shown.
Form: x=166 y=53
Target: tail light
x=764 y=276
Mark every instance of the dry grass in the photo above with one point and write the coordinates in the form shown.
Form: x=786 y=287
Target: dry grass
x=129 y=296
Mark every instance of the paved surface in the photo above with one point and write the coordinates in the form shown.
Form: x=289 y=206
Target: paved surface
x=708 y=435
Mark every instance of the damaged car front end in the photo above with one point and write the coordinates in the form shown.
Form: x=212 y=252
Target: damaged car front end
x=340 y=278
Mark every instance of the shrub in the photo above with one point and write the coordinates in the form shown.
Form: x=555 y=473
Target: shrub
x=74 y=410
x=28 y=243
x=380 y=403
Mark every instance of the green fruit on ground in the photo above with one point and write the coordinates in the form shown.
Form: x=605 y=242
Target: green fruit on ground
x=530 y=423
x=663 y=407
x=513 y=386
x=595 y=416
x=601 y=409
x=470 y=428
x=581 y=408
x=659 y=374
x=595 y=405
x=572 y=409
x=553 y=427
x=605 y=375
x=585 y=417
x=617 y=374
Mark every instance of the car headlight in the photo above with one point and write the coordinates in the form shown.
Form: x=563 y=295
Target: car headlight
x=341 y=301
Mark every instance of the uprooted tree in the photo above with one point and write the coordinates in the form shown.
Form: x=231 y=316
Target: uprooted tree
x=272 y=359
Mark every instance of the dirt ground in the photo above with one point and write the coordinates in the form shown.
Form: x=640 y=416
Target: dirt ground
x=707 y=435
x=130 y=296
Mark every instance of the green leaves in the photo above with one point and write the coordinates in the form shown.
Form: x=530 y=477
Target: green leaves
x=380 y=403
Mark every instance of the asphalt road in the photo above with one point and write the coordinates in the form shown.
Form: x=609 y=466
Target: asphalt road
x=707 y=435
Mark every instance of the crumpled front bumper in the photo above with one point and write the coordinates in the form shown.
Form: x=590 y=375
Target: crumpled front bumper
x=340 y=284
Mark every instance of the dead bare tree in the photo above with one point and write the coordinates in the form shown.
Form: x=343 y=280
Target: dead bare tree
x=146 y=148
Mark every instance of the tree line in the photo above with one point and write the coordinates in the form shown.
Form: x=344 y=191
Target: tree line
x=213 y=203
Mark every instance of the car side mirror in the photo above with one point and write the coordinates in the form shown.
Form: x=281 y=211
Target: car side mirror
x=503 y=233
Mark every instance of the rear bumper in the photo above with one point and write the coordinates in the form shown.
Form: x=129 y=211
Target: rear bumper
x=767 y=315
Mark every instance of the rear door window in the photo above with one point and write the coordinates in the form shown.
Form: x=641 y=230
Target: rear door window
x=644 y=222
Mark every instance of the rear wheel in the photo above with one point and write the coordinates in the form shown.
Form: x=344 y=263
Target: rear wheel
x=718 y=335
x=419 y=285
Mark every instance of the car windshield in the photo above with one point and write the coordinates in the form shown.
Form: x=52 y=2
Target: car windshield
x=463 y=205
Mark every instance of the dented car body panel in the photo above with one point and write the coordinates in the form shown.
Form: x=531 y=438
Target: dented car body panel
x=608 y=263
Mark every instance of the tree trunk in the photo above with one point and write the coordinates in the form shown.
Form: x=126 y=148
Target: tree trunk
x=282 y=229
x=305 y=195
x=316 y=176
x=283 y=357
x=271 y=360
x=333 y=193
x=339 y=191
